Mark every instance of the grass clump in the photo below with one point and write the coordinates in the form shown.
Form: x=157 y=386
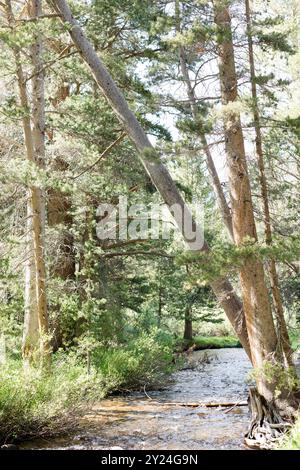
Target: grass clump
x=210 y=342
x=146 y=360
x=216 y=342
x=34 y=403
x=291 y=440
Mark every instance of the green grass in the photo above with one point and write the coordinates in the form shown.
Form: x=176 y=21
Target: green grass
x=211 y=342
x=35 y=403
x=147 y=360
x=292 y=440
x=216 y=342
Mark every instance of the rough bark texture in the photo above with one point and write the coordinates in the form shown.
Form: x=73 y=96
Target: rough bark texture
x=283 y=335
x=188 y=325
x=38 y=136
x=215 y=180
x=59 y=207
x=260 y=325
x=160 y=302
x=37 y=307
x=64 y=266
x=30 y=341
x=58 y=213
x=157 y=171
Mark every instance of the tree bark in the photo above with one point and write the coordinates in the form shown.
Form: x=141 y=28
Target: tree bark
x=58 y=212
x=188 y=320
x=218 y=190
x=215 y=181
x=259 y=319
x=157 y=171
x=160 y=301
x=30 y=340
x=283 y=336
x=37 y=307
x=188 y=324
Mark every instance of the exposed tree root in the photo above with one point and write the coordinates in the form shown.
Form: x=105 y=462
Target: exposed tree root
x=267 y=425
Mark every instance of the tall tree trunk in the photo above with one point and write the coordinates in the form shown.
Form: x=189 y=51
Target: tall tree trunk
x=30 y=341
x=160 y=300
x=283 y=336
x=37 y=308
x=218 y=190
x=39 y=219
x=259 y=319
x=157 y=171
x=188 y=324
x=188 y=320
x=59 y=212
x=215 y=180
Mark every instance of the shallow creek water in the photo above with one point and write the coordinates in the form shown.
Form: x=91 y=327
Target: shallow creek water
x=136 y=422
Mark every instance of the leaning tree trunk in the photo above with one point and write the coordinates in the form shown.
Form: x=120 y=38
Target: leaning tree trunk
x=283 y=336
x=157 y=171
x=34 y=149
x=259 y=319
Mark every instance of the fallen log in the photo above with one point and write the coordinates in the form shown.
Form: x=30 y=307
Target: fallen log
x=203 y=405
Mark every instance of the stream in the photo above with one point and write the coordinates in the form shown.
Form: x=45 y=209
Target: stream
x=137 y=422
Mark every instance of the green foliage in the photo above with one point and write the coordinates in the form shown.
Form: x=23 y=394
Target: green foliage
x=195 y=126
x=145 y=361
x=211 y=342
x=278 y=41
x=11 y=316
x=150 y=154
x=38 y=403
x=227 y=258
x=264 y=79
x=295 y=339
x=291 y=440
x=274 y=373
x=294 y=125
x=113 y=313
x=33 y=403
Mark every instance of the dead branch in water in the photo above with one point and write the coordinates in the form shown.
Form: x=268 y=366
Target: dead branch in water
x=203 y=405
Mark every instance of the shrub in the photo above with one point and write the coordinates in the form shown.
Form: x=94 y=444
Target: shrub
x=33 y=403
x=146 y=360
x=292 y=440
